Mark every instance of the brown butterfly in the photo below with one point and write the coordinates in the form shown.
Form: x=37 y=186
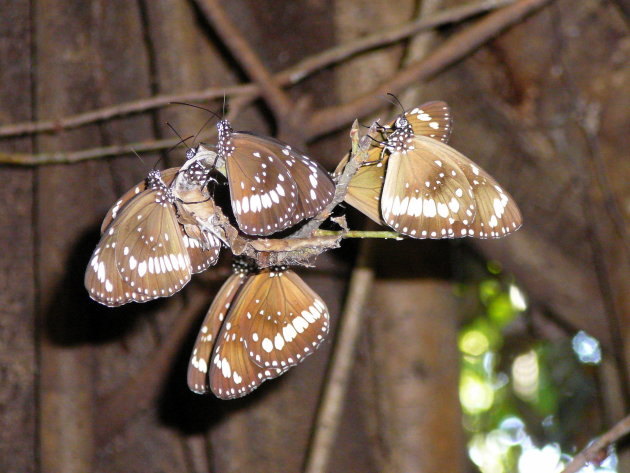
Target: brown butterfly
x=423 y=188
x=260 y=324
x=272 y=186
x=144 y=252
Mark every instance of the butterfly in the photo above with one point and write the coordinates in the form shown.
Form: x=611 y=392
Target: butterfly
x=272 y=186
x=260 y=324
x=144 y=252
x=423 y=188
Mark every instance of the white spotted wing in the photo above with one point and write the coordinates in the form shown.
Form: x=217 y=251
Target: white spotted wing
x=283 y=319
x=433 y=191
x=272 y=186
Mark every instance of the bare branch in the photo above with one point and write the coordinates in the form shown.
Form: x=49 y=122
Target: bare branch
x=290 y=76
x=360 y=148
x=595 y=450
x=452 y=50
x=247 y=57
x=299 y=248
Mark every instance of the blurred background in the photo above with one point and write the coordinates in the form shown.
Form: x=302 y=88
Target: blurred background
x=494 y=356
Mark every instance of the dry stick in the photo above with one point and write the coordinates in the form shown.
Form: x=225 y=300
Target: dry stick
x=338 y=375
x=593 y=451
x=123 y=109
x=70 y=157
x=452 y=50
x=279 y=102
x=359 y=155
x=337 y=54
x=379 y=234
x=290 y=76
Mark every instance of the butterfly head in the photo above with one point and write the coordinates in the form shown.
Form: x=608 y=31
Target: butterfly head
x=191 y=153
x=224 y=144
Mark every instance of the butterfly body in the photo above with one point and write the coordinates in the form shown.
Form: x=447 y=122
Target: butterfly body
x=272 y=186
x=259 y=326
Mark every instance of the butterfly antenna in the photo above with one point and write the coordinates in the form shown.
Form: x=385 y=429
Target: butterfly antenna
x=200 y=129
x=181 y=140
x=137 y=156
x=396 y=102
x=142 y=160
x=199 y=107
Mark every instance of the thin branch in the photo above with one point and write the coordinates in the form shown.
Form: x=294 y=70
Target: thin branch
x=123 y=109
x=289 y=76
x=68 y=157
x=23 y=159
x=299 y=248
x=360 y=148
x=452 y=50
x=594 y=451
x=279 y=102
x=339 y=53
x=382 y=235
x=338 y=376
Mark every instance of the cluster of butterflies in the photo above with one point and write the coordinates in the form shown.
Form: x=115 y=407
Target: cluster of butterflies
x=264 y=321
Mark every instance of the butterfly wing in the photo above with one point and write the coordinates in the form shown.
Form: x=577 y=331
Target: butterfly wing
x=168 y=175
x=450 y=208
x=285 y=319
x=262 y=190
x=315 y=187
x=150 y=252
x=102 y=279
x=206 y=339
x=497 y=214
x=426 y=194
x=432 y=119
x=365 y=187
x=201 y=258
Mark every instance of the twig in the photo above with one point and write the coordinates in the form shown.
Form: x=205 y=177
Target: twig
x=361 y=234
x=360 y=148
x=266 y=251
x=452 y=50
x=333 y=397
x=279 y=102
x=298 y=248
x=338 y=53
x=123 y=109
x=68 y=157
x=23 y=159
x=289 y=76
x=593 y=451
